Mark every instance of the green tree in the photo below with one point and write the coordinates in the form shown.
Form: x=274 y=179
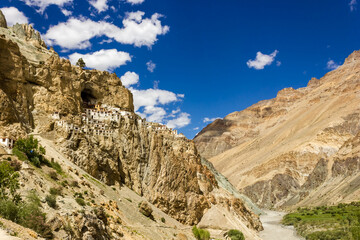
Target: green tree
x=9 y=182
x=81 y=63
x=29 y=148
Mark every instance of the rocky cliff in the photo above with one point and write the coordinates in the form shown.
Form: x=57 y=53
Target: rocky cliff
x=281 y=151
x=44 y=94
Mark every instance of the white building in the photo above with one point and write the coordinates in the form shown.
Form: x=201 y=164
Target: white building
x=55 y=115
x=7 y=142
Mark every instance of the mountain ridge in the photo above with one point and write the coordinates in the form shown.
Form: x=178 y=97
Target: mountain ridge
x=275 y=145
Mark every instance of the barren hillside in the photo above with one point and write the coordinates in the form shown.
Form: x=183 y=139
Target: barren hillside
x=281 y=151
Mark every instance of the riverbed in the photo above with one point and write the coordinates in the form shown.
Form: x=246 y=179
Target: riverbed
x=273 y=230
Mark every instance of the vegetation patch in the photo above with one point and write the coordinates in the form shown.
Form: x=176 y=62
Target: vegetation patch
x=80 y=201
x=51 y=201
x=234 y=234
x=327 y=223
x=200 y=234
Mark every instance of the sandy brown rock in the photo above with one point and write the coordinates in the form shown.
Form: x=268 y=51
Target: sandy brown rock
x=163 y=168
x=273 y=149
x=3 y=23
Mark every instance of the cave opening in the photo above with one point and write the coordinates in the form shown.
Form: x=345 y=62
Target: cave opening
x=88 y=98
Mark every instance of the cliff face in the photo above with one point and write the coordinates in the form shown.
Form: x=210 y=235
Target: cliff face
x=280 y=151
x=42 y=93
x=41 y=83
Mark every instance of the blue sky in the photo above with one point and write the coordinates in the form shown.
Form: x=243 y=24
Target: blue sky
x=191 y=61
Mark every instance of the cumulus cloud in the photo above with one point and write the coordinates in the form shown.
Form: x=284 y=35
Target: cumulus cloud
x=205 y=120
x=181 y=121
x=151 y=103
x=77 y=32
x=41 y=5
x=129 y=78
x=105 y=60
x=13 y=16
x=100 y=5
x=153 y=97
x=332 y=65
x=133 y=2
x=150 y=66
x=66 y=12
x=352 y=5
x=262 y=60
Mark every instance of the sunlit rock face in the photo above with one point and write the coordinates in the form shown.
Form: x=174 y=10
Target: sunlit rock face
x=90 y=117
x=274 y=148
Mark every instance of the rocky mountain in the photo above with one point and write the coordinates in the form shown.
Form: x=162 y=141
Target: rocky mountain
x=297 y=149
x=86 y=118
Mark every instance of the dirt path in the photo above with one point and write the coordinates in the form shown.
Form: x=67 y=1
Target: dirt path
x=273 y=230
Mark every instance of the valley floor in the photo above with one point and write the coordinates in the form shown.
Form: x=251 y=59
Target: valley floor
x=273 y=230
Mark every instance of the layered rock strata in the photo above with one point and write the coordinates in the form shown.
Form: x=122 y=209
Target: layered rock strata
x=278 y=151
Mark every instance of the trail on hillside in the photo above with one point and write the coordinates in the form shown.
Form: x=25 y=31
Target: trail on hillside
x=273 y=230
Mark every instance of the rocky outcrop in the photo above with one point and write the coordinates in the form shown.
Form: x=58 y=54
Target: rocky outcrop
x=3 y=23
x=163 y=167
x=280 y=151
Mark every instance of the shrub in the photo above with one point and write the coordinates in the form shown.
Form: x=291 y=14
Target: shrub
x=78 y=195
x=235 y=235
x=51 y=200
x=32 y=217
x=55 y=191
x=163 y=220
x=74 y=184
x=200 y=234
x=53 y=175
x=80 y=201
x=16 y=165
x=56 y=166
x=27 y=214
x=64 y=183
x=30 y=149
x=9 y=182
x=9 y=210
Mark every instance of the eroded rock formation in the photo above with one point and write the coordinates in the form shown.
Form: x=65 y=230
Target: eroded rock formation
x=280 y=151
x=42 y=93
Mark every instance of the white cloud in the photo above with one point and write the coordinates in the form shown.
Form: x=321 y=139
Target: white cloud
x=152 y=97
x=278 y=63
x=133 y=2
x=150 y=66
x=262 y=60
x=77 y=32
x=332 y=65
x=102 y=60
x=100 y=5
x=129 y=78
x=196 y=128
x=181 y=121
x=352 y=5
x=66 y=12
x=205 y=120
x=43 y=4
x=13 y=16
x=154 y=114
x=106 y=41
x=150 y=104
